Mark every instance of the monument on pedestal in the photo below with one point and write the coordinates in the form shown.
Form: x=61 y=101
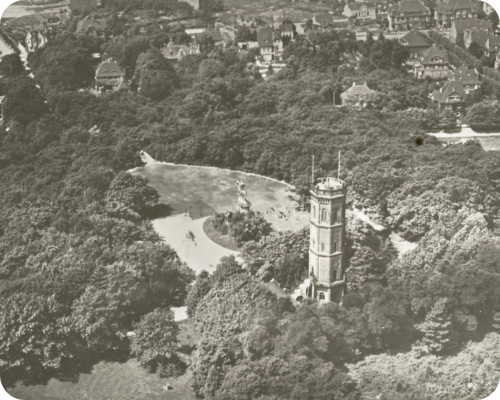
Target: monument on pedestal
x=242 y=204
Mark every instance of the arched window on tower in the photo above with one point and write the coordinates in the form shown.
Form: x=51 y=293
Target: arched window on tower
x=321 y=295
x=314 y=212
x=335 y=214
x=323 y=215
x=322 y=247
x=334 y=247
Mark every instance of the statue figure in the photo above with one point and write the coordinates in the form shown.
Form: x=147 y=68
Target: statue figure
x=242 y=204
x=242 y=191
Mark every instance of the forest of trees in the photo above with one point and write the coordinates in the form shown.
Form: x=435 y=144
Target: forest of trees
x=80 y=265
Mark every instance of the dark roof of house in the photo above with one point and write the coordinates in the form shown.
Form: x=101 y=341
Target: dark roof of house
x=109 y=68
x=266 y=37
x=409 y=7
x=414 y=39
x=357 y=90
x=466 y=75
x=287 y=26
x=434 y=51
x=447 y=90
x=450 y=6
x=469 y=23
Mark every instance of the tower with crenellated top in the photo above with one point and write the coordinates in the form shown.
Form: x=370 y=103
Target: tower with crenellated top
x=326 y=261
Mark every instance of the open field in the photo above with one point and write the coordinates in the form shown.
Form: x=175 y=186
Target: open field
x=202 y=191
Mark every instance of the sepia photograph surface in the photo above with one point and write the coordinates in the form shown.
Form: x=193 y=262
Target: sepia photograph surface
x=249 y=200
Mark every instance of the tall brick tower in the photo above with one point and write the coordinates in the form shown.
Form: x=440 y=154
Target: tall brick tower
x=326 y=264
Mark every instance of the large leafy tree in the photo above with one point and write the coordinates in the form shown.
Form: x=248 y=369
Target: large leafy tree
x=130 y=196
x=155 y=342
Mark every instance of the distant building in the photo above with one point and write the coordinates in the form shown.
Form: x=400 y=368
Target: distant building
x=452 y=96
x=382 y=8
x=177 y=52
x=484 y=37
x=448 y=11
x=193 y=3
x=359 y=96
x=409 y=14
x=469 y=77
x=35 y=40
x=360 y=10
x=415 y=43
x=288 y=29
x=433 y=63
x=270 y=44
x=110 y=77
x=90 y=26
x=459 y=26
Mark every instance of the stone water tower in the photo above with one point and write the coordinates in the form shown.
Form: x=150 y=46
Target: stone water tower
x=326 y=261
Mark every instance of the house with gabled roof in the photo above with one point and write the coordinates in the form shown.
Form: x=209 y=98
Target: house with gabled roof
x=409 y=14
x=415 y=43
x=360 y=10
x=270 y=44
x=176 y=52
x=110 y=77
x=459 y=26
x=358 y=96
x=452 y=96
x=91 y=26
x=433 y=63
x=448 y=11
x=468 y=76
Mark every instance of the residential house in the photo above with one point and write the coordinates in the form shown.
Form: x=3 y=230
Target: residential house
x=176 y=52
x=469 y=77
x=358 y=96
x=270 y=44
x=433 y=63
x=409 y=14
x=90 y=26
x=448 y=11
x=488 y=42
x=288 y=29
x=458 y=27
x=360 y=10
x=110 y=77
x=452 y=96
x=382 y=8
x=35 y=39
x=415 y=43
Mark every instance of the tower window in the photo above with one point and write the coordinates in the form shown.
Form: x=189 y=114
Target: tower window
x=322 y=247
x=323 y=215
x=314 y=243
x=335 y=213
x=321 y=295
x=314 y=212
x=334 y=247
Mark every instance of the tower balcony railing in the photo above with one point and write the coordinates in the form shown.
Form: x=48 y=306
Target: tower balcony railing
x=328 y=186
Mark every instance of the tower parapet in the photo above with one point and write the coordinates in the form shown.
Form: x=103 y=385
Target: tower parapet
x=326 y=261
